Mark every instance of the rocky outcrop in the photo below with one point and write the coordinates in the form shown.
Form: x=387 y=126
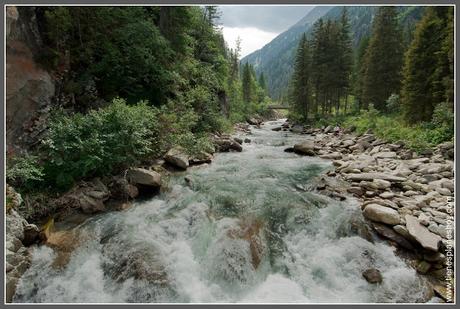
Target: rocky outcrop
x=29 y=88
x=19 y=233
x=89 y=197
x=382 y=214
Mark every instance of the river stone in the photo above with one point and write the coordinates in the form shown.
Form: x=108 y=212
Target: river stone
x=177 y=157
x=305 y=148
x=386 y=155
x=382 y=214
x=144 y=177
x=424 y=219
x=421 y=234
x=372 y=275
x=389 y=233
x=372 y=176
x=387 y=195
x=423 y=267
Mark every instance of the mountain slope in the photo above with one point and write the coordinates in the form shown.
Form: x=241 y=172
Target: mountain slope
x=276 y=58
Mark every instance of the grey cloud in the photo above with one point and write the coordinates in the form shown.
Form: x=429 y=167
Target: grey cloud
x=267 y=18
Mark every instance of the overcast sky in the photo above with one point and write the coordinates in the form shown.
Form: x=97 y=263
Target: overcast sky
x=257 y=25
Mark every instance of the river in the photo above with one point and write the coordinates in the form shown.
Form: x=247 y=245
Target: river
x=246 y=228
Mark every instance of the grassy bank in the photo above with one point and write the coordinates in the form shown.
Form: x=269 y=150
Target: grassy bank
x=392 y=128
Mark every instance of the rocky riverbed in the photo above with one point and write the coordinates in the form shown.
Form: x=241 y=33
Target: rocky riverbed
x=408 y=198
x=253 y=216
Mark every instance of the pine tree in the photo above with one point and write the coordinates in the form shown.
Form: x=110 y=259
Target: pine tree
x=246 y=83
x=383 y=60
x=301 y=88
x=428 y=65
x=359 y=71
x=346 y=56
x=262 y=82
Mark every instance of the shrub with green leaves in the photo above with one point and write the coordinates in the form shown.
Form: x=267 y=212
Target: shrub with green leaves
x=24 y=171
x=100 y=142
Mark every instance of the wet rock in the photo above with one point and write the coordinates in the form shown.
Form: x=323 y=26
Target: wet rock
x=356 y=191
x=421 y=234
x=379 y=213
x=277 y=129
x=289 y=149
x=140 y=176
x=226 y=144
x=305 y=148
x=201 y=158
x=423 y=267
x=63 y=243
x=177 y=157
x=372 y=275
x=121 y=189
x=247 y=140
x=31 y=234
x=389 y=233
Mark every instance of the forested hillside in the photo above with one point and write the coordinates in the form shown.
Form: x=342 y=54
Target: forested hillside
x=276 y=59
x=167 y=70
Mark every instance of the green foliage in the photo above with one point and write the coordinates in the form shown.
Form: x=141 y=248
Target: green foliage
x=428 y=71
x=383 y=59
x=301 y=81
x=100 y=142
x=393 y=104
x=24 y=171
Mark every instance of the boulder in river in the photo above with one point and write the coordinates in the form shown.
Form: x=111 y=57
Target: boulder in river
x=372 y=275
x=177 y=157
x=379 y=213
x=140 y=176
x=305 y=148
x=421 y=234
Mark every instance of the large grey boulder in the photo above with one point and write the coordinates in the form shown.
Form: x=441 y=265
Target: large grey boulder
x=140 y=176
x=379 y=213
x=177 y=157
x=421 y=234
x=305 y=148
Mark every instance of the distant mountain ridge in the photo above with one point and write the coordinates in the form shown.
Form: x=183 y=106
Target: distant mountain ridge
x=276 y=58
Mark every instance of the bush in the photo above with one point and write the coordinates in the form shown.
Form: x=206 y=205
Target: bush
x=24 y=171
x=100 y=142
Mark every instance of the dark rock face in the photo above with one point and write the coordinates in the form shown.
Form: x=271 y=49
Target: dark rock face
x=29 y=88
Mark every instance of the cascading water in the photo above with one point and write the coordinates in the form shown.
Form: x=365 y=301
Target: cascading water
x=246 y=228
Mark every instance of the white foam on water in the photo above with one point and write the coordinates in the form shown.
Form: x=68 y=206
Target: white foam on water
x=190 y=233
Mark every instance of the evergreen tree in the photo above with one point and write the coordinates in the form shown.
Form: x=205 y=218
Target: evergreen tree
x=246 y=83
x=301 y=88
x=359 y=71
x=345 y=57
x=383 y=60
x=262 y=82
x=428 y=65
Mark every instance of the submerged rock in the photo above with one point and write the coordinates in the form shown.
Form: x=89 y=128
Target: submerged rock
x=372 y=275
